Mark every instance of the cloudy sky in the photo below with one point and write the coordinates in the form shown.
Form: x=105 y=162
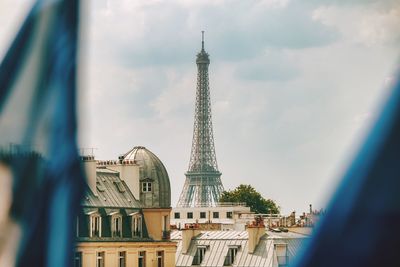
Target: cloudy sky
x=294 y=84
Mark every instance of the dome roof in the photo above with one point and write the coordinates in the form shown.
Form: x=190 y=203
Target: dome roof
x=152 y=170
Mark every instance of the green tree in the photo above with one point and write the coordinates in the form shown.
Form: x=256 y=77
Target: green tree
x=253 y=199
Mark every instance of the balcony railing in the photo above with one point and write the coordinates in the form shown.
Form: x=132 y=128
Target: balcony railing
x=116 y=234
x=231 y=204
x=95 y=233
x=136 y=233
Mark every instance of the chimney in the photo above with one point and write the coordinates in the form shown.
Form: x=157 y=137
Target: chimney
x=188 y=233
x=129 y=172
x=255 y=231
x=89 y=164
x=293 y=218
x=281 y=253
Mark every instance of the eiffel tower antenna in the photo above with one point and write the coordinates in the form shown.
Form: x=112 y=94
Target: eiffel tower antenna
x=203 y=185
x=202 y=40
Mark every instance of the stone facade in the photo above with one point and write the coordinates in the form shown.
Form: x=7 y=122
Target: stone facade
x=125 y=217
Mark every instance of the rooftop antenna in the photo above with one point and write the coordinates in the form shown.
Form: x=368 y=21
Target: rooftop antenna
x=202 y=40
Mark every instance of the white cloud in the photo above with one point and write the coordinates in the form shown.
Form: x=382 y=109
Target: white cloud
x=290 y=81
x=285 y=87
x=367 y=25
x=177 y=95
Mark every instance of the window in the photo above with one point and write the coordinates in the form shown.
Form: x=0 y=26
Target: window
x=216 y=214
x=100 y=187
x=119 y=186
x=78 y=259
x=177 y=215
x=146 y=187
x=190 y=215
x=100 y=259
x=230 y=257
x=137 y=226
x=122 y=259
x=165 y=223
x=142 y=259
x=95 y=226
x=229 y=215
x=116 y=226
x=199 y=256
x=281 y=253
x=202 y=215
x=160 y=258
x=165 y=231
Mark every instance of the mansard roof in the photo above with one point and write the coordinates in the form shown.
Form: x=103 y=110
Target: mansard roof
x=219 y=242
x=112 y=192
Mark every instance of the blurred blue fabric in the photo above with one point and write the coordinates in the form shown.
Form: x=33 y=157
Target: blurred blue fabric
x=38 y=116
x=361 y=222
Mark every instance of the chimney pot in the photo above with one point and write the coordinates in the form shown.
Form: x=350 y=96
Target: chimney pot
x=255 y=231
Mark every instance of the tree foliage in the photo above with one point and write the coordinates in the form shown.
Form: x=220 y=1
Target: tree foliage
x=253 y=199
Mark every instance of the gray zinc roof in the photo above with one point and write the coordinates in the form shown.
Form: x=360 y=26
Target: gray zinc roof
x=218 y=243
x=111 y=192
x=151 y=168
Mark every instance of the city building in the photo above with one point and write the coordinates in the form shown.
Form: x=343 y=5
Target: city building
x=252 y=247
x=223 y=216
x=211 y=233
x=311 y=218
x=125 y=218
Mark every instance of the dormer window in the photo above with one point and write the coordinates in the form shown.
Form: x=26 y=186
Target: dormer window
x=281 y=253
x=120 y=186
x=146 y=187
x=100 y=187
x=116 y=225
x=199 y=256
x=137 y=225
x=95 y=225
x=231 y=256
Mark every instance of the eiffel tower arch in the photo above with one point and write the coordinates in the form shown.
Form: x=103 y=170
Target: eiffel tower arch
x=203 y=185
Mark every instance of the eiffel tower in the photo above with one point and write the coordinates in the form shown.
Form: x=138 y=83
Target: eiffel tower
x=203 y=185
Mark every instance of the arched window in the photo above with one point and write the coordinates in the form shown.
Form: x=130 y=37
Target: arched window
x=95 y=225
x=137 y=225
x=116 y=225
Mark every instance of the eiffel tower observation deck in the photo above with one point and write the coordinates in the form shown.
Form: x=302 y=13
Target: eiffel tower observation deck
x=203 y=185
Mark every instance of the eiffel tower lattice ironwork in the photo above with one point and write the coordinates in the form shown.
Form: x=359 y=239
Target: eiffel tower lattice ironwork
x=203 y=185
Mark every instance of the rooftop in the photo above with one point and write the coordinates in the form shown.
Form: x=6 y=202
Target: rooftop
x=111 y=192
x=219 y=242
